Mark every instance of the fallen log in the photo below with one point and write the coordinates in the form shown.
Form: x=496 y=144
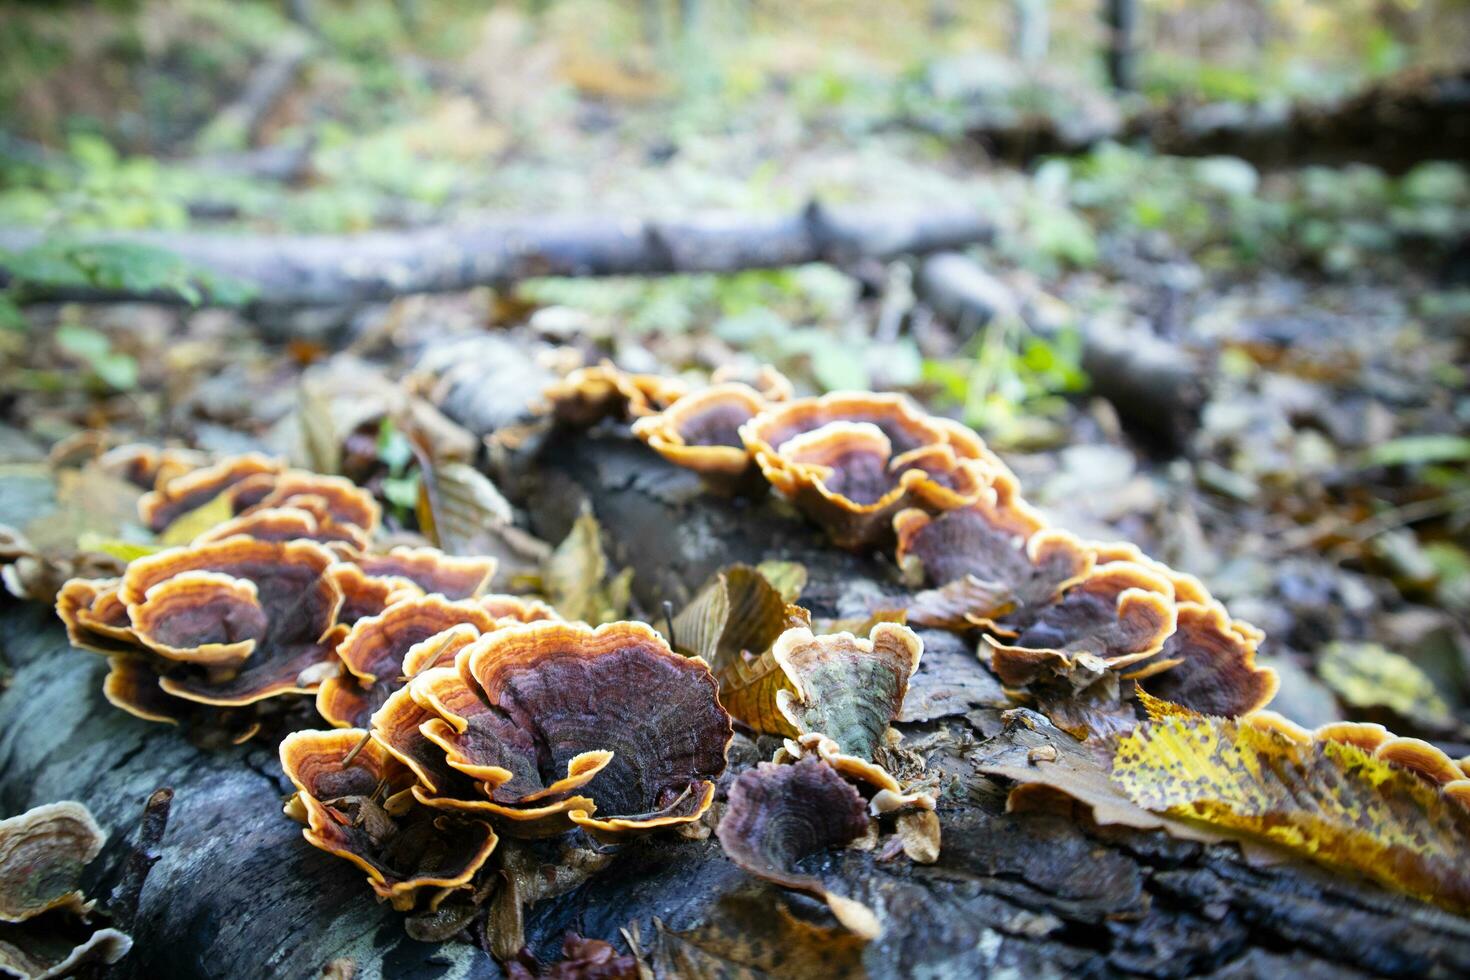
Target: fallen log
x=334 y=270
x=237 y=892
x=1393 y=124
x=1156 y=386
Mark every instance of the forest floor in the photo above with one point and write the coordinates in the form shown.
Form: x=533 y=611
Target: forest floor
x=1321 y=491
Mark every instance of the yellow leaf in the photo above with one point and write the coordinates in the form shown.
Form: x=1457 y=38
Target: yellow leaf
x=732 y=623
x=1327 y=800
x=116 y=547
x=188 y=526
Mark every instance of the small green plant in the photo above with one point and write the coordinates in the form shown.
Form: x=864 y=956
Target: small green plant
x=1013 y=382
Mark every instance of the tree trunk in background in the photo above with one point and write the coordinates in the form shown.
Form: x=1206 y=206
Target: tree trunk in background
x=1032 y=31
x=1121 y=17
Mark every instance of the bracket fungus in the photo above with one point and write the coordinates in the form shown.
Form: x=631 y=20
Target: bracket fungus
x=778 y=815
x=701 y=432
x=1208 y=664
x=225 y=623
x=848 y=477
x=44 y=917
x=557 y=722
x=1119 y=614
x=588 y=395
x=189 y=491
x=375 y=649
x=433 y=571
x=988 y=561
x=352 y=795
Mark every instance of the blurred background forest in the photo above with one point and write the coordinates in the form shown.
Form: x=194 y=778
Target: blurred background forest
x=1223 y=307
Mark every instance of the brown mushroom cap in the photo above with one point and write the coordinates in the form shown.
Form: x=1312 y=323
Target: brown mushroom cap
x=590 y=394
x=1187 y=588
x=396 y=724
x=134 y=686
x=160 y=508
x=997 y=571
x=366 y=595
x=349 y=814
x=200 y=617
x=148 y=467
x=536 y=712
x=772 y=385
x=433 y=571
x=334 y=500
x=516 y=609
x=701 y=432
x=286 y=524
x=375 y=649
x=42 y=855
x=777 y=815
x=846 y=477
x=1120 y=614
x=1211 y=665
x=297 y=597
x=95 y=616
x=905 y=426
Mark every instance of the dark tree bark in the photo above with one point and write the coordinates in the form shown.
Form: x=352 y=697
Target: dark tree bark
x=1121 y=17
x=237 y=892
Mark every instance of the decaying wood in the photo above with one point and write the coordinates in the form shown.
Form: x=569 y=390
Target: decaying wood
x=1156 y=386
x=332 y=270
x=1394 y=124
x=237 y=892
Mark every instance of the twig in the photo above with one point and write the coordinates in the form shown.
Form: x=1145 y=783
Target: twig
x=123 y=904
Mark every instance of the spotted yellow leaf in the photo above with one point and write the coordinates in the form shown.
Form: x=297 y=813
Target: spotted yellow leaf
x=1339 y=803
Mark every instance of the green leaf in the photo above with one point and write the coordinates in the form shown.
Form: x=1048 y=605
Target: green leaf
x=118 y=370
x=84 y=342
x=1414 y=450
x=11 y=318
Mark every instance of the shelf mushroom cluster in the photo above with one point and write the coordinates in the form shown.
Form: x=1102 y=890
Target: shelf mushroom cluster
x=267 y=600
x=528 y=731
x=1066 y=624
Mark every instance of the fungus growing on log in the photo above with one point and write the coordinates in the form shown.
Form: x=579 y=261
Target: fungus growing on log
x=286 y=524
x=989 y=561
x=847 y=688
x=366 y=595
x=96 y=618
x=1120 y=613
x=517 y=609
x=375 y=649
x=588 y=395
x=44 y=917
x=905 y=426
x=841 y=694
x=161 y=507
x=1208 y=665
x=148 y=467
x=433 y=571
x=779 y=814
x=701 y=432
x=846 y=477
x=558 y=721
x=224 y=623
x=351 y=792
x=772 y=385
